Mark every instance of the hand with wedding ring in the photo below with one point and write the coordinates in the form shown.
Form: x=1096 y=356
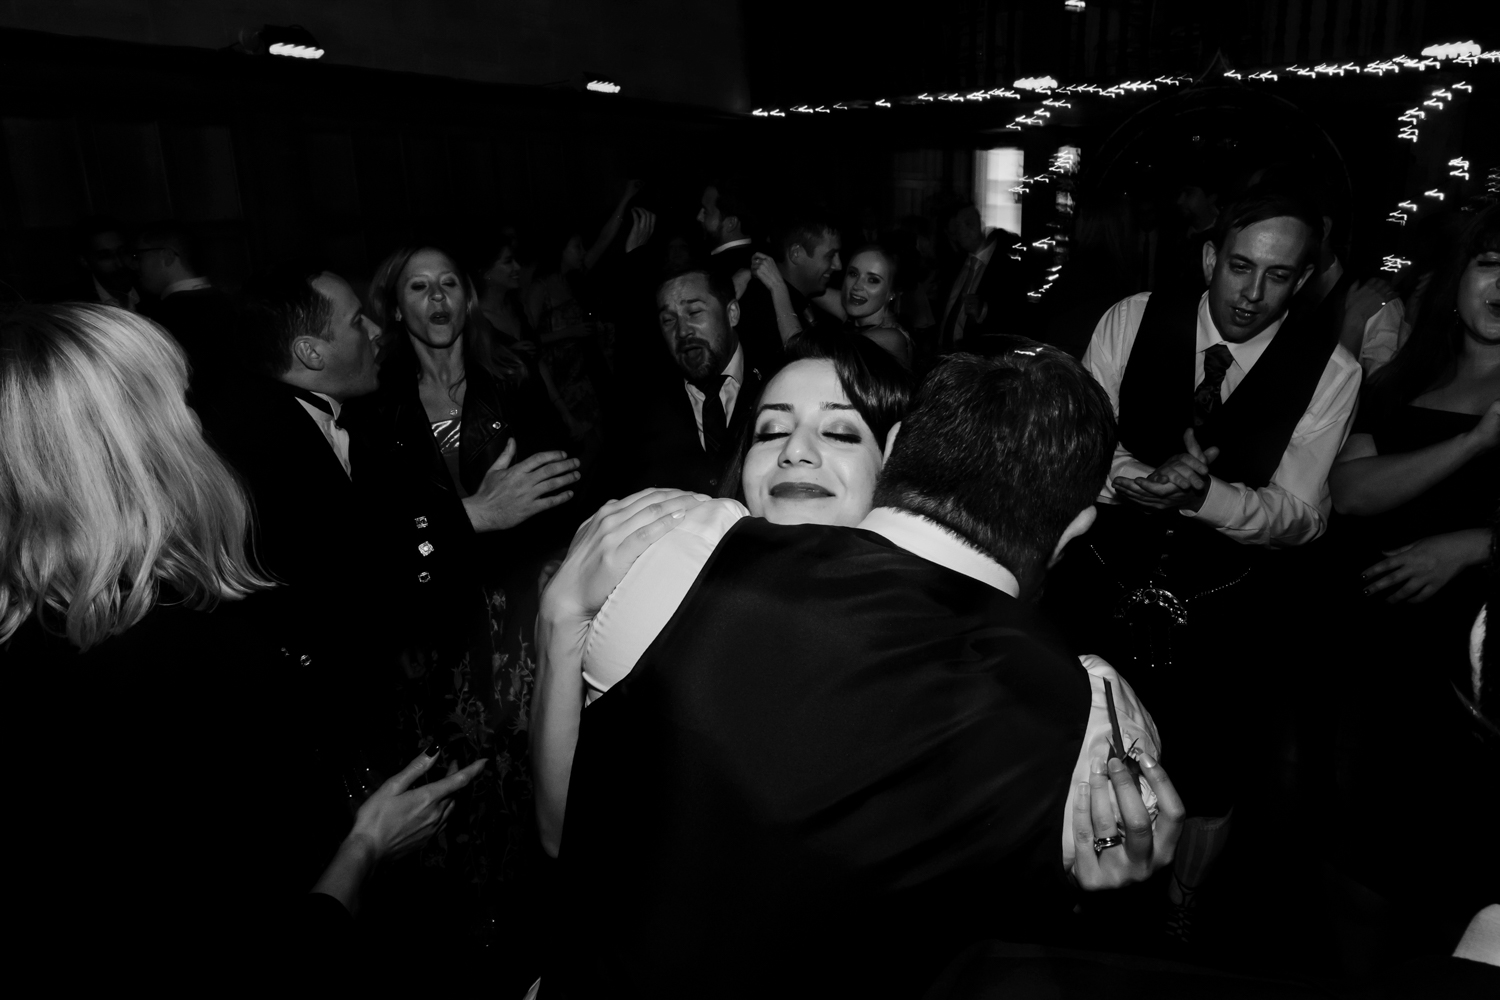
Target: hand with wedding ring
x=1107 y=857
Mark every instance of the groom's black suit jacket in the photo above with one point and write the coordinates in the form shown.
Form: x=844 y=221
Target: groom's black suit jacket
x=836 y=766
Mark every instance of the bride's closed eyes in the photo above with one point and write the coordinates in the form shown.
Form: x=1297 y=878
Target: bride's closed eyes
x=812 y=460
x=776 y=423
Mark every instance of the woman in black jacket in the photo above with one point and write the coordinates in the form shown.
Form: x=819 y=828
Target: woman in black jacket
x=477 y=460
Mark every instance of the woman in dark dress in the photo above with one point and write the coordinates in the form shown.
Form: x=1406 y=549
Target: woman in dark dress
x=1417 y=484
x=473 y=436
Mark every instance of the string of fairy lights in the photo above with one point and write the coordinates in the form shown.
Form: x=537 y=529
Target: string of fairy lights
x=1056 y=97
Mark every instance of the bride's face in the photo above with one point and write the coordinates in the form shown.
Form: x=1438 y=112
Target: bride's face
x=813 y=459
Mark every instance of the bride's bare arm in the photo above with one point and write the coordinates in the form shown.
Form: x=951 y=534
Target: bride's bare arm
x=603 y=550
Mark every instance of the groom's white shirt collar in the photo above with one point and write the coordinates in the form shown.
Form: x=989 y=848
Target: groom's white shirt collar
x=935 y=543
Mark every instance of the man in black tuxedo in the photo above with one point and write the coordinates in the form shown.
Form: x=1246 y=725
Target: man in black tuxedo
x=308 y=351
x=199 y=316
x=692 y=420
x=849 y=753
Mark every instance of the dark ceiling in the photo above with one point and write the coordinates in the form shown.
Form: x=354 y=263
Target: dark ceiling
x=810 y=52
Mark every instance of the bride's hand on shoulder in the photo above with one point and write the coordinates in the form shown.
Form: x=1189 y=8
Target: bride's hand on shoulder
x=607 y=545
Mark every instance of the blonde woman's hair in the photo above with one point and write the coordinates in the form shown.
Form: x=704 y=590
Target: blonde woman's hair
x=107 y=487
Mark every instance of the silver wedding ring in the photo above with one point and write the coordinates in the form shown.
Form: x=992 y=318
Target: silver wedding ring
x=1105 y=843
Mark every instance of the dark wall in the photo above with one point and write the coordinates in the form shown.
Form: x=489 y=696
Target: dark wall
x=272 y=158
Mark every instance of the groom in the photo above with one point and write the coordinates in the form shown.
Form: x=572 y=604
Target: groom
x=847 y=755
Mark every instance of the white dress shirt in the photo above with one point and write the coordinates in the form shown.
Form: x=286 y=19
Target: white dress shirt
x=1293 y=508
x=185 y=285
x=729 y=392
x=656 y=585
x=729 y=246
x=1385 y=334
x=338 y=438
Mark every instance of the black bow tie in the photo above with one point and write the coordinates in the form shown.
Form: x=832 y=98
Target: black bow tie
x=314 y=400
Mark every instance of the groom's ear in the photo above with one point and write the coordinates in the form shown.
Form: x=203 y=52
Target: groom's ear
x=890 y=441
x=1083 y=522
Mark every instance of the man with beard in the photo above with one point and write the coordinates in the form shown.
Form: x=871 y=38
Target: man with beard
x=689 y=427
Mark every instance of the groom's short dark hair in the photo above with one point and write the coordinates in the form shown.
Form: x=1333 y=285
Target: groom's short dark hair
x=1004 y=451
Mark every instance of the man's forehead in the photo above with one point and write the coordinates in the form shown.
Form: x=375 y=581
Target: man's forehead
x=710 y=195
x=686 y=286
x=1283 y=238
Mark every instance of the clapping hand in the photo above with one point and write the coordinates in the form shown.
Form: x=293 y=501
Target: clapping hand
x=1106 y=857
x=508 y=496
x=1180 y=483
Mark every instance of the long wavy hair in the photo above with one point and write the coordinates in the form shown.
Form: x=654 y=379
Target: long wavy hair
x=1431 y=352
x=107 y=487
x=398 y=359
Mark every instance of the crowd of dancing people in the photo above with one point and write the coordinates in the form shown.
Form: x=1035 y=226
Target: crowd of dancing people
x=770 y=607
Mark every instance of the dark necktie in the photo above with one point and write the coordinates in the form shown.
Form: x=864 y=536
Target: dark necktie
x=1216 y=361
x=715 y=427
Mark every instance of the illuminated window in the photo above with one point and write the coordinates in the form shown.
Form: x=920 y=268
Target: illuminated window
x=998 y=174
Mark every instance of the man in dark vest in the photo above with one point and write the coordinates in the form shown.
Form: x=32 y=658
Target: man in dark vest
x=1232 y=405
x=847 y=754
